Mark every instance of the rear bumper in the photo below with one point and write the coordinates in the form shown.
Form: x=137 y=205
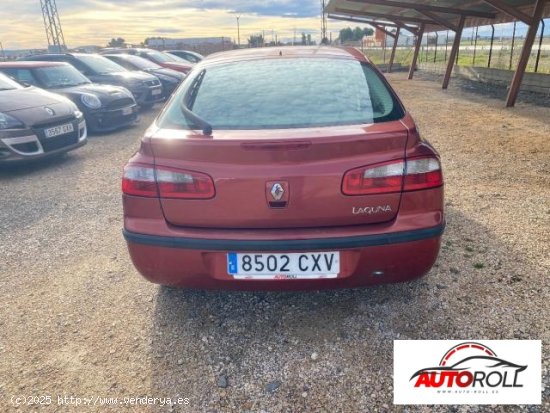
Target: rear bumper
x=374 y=240
x=365 y=260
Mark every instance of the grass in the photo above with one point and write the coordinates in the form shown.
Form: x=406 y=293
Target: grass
x=479 y=265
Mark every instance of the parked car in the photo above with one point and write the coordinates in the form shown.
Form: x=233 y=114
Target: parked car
x=146 y=88
x=105 y=107
x=169 y=78
x=298 y=178
x=35 y=123
x=191 y=57
x=162 y=59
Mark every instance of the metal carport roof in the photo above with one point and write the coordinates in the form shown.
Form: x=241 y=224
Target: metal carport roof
x=420 y=16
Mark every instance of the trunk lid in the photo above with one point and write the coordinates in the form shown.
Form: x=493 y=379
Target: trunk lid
x=256 y=172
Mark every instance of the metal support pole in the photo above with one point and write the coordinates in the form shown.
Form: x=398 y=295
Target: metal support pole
x=446 y=45
x=491 y=48
x=475 y=47
x=540 y=45
x=238 y=32
x=512 y=51
x=454 y=52
x=395 y=40
x=384 y=45
x=525 y=54
x=435 y=51
x=417 y=50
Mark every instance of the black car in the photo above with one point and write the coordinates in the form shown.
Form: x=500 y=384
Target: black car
x=169 y=78
x=35 y=123
x=146 y=88
x=105 y=107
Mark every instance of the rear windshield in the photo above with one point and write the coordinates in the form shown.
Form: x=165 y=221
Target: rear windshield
x=284 y=93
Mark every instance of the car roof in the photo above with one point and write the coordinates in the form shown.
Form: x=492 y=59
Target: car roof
x=288 y=52
x=31 y=64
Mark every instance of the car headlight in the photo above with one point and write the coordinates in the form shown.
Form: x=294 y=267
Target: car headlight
x=91 y=101
x=9 y=122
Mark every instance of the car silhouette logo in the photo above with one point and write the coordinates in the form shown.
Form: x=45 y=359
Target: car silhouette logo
x=50 y=111
x=277 y=191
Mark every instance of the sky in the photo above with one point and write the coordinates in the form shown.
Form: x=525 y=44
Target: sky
x=88 y=22
x=95 y=22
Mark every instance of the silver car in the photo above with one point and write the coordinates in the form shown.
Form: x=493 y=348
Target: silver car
x=35 y=123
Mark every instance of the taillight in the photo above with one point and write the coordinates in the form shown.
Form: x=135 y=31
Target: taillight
x=395 y=176
x=423 y=173
x=176 y=183
x=149 y=181
x=139 y=180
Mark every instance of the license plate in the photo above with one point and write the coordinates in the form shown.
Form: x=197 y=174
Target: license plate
x=290 y=266
x=59 y=130
x=127 y=111
x=155 y=92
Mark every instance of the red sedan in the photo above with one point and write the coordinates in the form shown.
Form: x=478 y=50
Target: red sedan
x=283 y=168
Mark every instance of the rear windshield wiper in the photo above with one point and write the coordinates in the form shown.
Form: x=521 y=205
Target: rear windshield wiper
x=196 y=120
x=189 y=100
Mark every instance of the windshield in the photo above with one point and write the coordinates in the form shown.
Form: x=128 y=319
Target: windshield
x=60 y=76
x=100 y=65
x=136 y=61
x=284 y=93
x=8 y=84
x=162 y=57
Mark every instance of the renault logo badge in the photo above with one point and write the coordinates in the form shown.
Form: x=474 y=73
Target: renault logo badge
x=50 y=111
x=277 y=191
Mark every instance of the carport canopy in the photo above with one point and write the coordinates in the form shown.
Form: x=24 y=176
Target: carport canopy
x=421 y=16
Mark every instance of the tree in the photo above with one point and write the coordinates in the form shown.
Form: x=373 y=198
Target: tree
x=304 y=39
x=346 y=35
x=256 y=40
x=354 y=35
x=309 y=39
x=118 y=42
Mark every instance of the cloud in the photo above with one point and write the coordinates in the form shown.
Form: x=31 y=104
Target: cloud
x=87 y=22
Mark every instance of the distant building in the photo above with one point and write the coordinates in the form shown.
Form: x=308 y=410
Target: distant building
x=203 y=45
x=87 y=49
x=376 y=40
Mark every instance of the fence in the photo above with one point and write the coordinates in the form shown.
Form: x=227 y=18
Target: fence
x=496 y=47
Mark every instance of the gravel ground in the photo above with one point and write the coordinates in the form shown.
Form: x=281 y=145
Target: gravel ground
x=77 y=320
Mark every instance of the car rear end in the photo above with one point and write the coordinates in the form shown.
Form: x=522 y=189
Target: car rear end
x=314 y=180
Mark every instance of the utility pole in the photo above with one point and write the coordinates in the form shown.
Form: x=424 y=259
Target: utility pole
x=52 y=24
x=3 y=53
x=238 y=32
x=324 y=39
